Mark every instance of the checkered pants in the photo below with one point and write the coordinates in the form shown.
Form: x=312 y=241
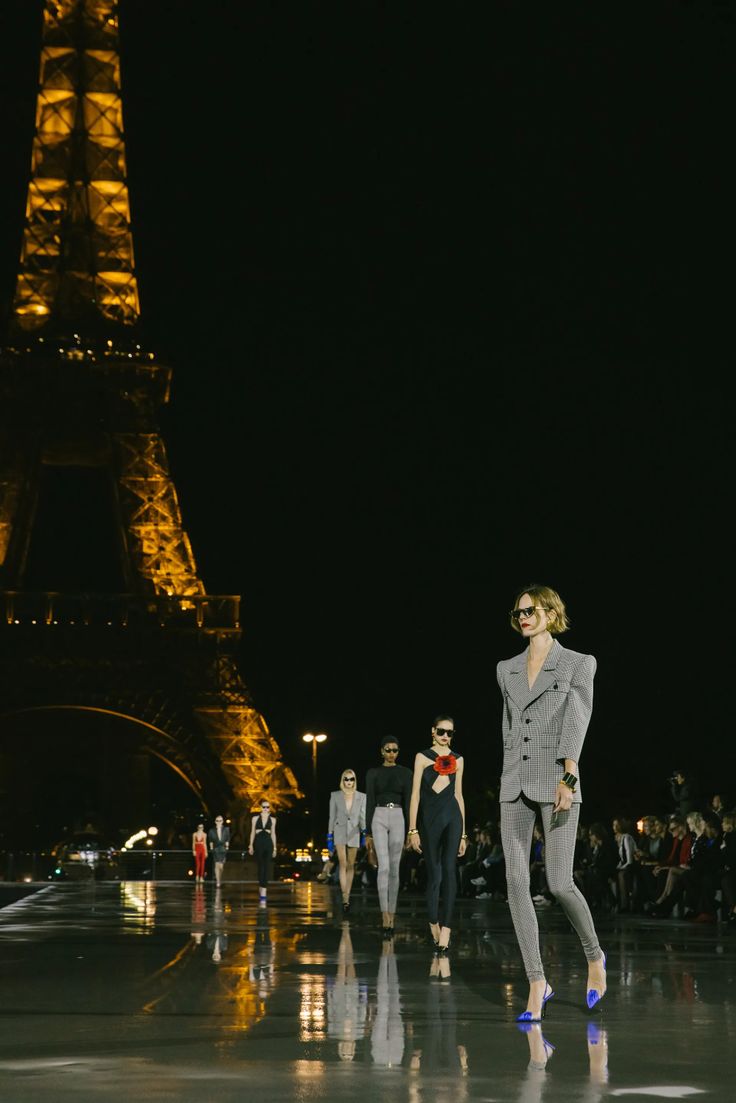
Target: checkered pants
x=560 y=830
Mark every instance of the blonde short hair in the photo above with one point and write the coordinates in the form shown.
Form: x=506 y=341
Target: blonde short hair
x=551 y=601
x=342 y=779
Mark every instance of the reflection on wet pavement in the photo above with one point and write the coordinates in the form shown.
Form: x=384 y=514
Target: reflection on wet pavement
x=180 y=991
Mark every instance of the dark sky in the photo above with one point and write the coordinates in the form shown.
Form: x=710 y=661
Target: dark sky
x=448 y=299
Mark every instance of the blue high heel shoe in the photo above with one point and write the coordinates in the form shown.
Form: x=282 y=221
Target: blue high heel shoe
x=527 y=1017
x=594 y=996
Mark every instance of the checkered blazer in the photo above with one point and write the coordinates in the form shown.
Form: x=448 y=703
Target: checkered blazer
x=546 y=724
x=346 y=827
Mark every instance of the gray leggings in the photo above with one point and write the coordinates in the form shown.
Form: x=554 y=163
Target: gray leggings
x=389 y=836
x=517 y=824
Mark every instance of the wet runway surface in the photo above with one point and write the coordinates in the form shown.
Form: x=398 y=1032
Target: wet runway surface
x=168 y=991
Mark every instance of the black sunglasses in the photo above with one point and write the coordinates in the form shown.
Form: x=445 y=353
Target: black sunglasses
x=517 y=614
x=390 y=750
x=445 y=731
x=348 y=779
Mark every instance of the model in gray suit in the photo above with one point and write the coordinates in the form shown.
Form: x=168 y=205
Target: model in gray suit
x=547 y=702
x=346 y=830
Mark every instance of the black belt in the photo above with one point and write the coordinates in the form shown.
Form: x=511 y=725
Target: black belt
x=389 y=804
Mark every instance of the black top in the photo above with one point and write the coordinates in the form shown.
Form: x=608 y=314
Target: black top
x=260 y=826
x=385 y=785
x=435 y=805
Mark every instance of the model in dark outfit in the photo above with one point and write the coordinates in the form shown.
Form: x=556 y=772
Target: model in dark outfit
x=440 y=827
x=388 y=792
x=437 y=807
x=263 y=845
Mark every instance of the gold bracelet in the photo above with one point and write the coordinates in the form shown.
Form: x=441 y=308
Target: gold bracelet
x=412 y=831
x=463 y=836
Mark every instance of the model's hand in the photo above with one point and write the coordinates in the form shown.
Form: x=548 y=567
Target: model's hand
x=371 y=854
x=250 y=850
x=415 y=842
x=563 y=798
x=462 y=848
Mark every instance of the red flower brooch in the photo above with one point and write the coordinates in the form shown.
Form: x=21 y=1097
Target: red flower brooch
x=445 y=764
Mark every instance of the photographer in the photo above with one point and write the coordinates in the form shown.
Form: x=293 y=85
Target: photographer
x=683 y=791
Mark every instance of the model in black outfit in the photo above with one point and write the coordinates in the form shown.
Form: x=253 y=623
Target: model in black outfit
x=388 y=792
x=263 y=845
x=437 y=806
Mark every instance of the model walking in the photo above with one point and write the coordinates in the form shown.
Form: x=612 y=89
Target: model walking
x=346 y=830
x=218 y=838
x=262 y=845
x=547 y=702
x=388 y=794
x=437 y=806
x=199 y=850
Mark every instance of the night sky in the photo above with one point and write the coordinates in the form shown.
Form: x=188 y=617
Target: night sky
x=448 y=300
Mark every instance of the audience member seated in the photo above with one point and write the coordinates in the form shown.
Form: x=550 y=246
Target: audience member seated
x=706 y=871
x=626 y=846
x=491 y=882
x=727 y=853
x=677 y=858
x=651 y=850
x=680 y=883
x=719 y=805
x=478 y=848
x=600 y=873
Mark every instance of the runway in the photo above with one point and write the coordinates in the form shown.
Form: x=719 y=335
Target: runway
x=164 y=991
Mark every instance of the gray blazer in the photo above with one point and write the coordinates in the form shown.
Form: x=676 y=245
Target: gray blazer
x=545 y=725
x=346 y=826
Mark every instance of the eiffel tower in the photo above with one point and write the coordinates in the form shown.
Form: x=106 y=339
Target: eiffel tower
x=79 y=389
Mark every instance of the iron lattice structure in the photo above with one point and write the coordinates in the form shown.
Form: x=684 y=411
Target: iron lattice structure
x=78 y=388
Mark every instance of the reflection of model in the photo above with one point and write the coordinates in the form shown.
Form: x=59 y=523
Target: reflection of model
x=441 y=1052
x=218 y=838
x=388 y=792
x=437 y=806
x=261 y=968
x=263 y=845
x=347 y=1006
x=345 y=830
x=199 y=850
x=548 y=698
x=387 y=1035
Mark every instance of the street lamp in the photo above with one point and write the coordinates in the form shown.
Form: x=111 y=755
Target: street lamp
x=314 y=740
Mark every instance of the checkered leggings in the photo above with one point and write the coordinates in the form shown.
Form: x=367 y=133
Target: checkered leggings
x=517 y=824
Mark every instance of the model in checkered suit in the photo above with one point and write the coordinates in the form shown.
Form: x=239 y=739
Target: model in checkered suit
x=547 y=702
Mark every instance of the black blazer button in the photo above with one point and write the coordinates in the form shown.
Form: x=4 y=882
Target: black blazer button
x=525 y=756
x=554 y=686
x=527 y=721
x=526 y=738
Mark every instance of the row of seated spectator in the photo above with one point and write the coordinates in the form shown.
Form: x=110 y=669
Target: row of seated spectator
x=679 y=865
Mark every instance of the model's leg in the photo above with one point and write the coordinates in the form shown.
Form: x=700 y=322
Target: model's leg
x=342 y=863
x=218 y=872
x=448 y=860
x=560 y=831
x=350 y=852
x=396 y=840
x=430 y=839
x=263 y=862
x=559 y=847
x=517 y=825
x=380 y=829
